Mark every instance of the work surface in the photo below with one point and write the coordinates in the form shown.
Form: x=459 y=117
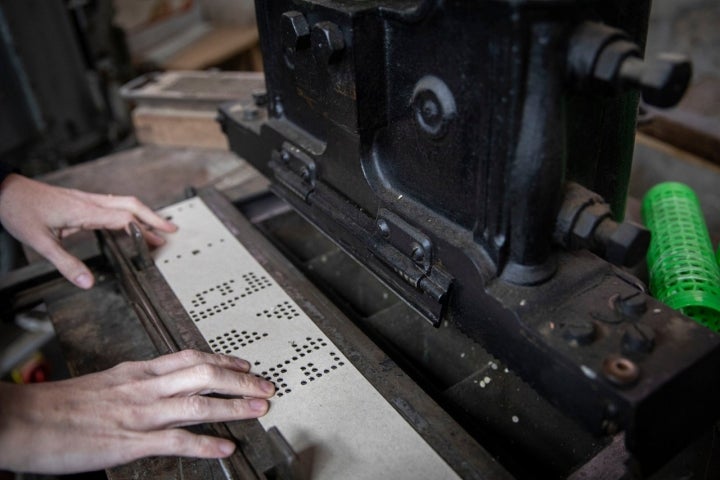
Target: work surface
x=96 y=330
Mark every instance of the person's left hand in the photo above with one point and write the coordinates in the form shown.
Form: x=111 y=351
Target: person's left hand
x=40 y=215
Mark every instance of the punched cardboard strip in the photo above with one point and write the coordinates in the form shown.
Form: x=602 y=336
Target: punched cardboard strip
x=323 y=406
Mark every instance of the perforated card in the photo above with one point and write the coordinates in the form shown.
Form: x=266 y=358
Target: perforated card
x=323 y=404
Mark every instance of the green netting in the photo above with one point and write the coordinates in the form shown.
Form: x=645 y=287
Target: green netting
x=684 y=272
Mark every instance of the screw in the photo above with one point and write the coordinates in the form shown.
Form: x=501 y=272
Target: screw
x=638 y=338
x=327 y=41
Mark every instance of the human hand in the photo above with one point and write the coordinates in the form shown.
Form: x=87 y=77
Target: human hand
x=128 y=412
x=40 y=215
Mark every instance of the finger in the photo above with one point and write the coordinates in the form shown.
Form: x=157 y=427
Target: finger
x=188 y=358
x=69 y=266
x=96 y=217
x=136 y=207
x=181 y=443
x=152 y=238
x=207 y=378
x=180 y=412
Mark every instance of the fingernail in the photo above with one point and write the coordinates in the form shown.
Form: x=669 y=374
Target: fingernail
x=258 y=405
x=84 y=280
x=227 y=448
x=267 y=387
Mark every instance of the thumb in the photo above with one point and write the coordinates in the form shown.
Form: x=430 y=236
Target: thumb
x=69 y=266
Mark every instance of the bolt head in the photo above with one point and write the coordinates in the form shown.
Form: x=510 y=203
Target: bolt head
x=295 y=31
x=665 y=80
x=328 y=42
x=627 y=245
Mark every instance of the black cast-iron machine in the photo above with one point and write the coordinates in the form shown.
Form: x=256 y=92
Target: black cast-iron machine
x=475 y=155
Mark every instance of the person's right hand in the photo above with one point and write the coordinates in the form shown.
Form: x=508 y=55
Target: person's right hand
x=130 y=411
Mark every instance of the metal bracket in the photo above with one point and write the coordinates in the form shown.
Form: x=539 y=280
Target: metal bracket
x=286 y=462
x=294 y=169
x=409 y=252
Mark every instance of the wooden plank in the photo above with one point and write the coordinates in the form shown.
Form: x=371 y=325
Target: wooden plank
x=178 y=127
x=217 y=46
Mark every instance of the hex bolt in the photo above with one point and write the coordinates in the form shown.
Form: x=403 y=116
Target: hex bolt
x=607 y=58
x=295 y=31
x=620 y=371
x=580 y=331
x=625 y=243
x=327 y=42
x=638 y=338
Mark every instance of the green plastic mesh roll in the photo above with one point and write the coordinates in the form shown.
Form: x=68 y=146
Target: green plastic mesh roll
x=684 y=272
